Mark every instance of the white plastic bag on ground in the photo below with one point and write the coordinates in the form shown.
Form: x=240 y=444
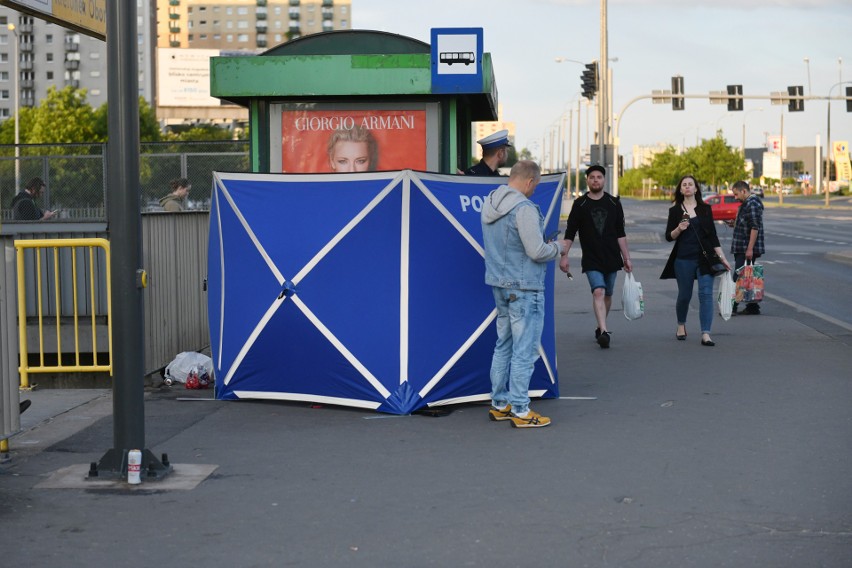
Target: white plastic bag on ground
x=727 y=291
x=178 y=370
x=632 y=299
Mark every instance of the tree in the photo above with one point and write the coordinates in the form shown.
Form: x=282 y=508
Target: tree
x=716 y=163
x=200 y=132
x=7 y=127
x=668 y=167
x=512 y=157
x=149 y=127
x=632 y=179
x=62 y=117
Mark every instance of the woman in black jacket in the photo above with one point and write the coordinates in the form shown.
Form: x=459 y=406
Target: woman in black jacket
x=690 y=225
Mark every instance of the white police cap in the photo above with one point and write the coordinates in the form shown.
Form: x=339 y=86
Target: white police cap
x=496 y=140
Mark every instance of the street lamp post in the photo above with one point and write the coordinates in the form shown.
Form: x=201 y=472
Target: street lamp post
x=17 y=98
x=577 y=170
x=808 y=63
x=561 y=59
x=742 y=148
x=830 y=150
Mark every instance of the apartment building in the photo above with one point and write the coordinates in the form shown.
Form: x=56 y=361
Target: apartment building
x=480 y=130
x=50 y=55
x=246 y=25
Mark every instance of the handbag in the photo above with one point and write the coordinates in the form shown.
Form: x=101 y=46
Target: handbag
x=749 y=283
x=717 y=268
x=632 y=298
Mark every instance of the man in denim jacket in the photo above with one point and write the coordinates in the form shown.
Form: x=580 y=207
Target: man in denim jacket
x=516 y=258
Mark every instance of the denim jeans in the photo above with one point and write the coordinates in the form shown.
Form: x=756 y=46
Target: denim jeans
x=598 y=279
x=686 y=271
x=520 y=320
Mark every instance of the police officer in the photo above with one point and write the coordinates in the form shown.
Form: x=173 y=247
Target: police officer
x=495 y=153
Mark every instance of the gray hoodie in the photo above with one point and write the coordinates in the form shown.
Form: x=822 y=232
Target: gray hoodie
x=515 y=251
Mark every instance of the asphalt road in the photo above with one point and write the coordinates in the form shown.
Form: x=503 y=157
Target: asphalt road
x=803 y=246
x=662 y=453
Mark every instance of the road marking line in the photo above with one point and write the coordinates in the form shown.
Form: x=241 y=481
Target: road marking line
x=814 y=239
x=807 y=310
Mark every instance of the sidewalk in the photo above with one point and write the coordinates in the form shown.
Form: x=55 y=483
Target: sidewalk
x=662 y=453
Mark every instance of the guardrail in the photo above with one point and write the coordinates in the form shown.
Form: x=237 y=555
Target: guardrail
x=46 y=271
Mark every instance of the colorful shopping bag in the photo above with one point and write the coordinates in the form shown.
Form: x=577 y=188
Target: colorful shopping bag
x=749 y=283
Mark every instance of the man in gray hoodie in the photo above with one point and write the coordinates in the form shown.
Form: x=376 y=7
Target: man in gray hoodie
x=516 y=257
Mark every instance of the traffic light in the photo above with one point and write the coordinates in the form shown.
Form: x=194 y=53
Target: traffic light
x=735 y=104
x=796 y=105
x=848 y=99
x=590 y=80
x=677 y=89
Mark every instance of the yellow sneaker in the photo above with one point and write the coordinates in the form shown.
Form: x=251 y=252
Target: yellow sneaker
x=531 y=420
x=498 y=415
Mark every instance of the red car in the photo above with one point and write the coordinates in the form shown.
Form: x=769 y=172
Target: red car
x=724 y=207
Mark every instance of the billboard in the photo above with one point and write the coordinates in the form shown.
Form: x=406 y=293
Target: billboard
x=353 y=140
x=778 y=145
x=183 y=77
x=88 y=17
x=771 y=165
x=843 y=168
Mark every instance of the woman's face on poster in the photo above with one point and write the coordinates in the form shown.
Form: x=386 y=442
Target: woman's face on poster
x=350 y=156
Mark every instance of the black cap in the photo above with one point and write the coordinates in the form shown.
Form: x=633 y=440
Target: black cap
x=596 y=168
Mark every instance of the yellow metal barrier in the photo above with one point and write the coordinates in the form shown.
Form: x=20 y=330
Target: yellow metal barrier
x=55 y=245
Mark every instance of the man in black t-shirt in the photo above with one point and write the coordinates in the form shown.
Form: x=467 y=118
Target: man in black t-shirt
x=599 y=219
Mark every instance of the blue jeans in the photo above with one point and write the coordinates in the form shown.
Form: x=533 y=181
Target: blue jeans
x=520 y=320
x=686 y=271
x=599 y=279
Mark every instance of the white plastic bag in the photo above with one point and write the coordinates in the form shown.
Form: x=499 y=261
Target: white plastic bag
x=727 y=291
x=632 y=299
x=179 y=369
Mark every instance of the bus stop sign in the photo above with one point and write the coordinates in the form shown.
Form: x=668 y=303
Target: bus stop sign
x=456 y=60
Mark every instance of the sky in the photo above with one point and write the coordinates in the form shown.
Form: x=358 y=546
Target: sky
x=759 y=44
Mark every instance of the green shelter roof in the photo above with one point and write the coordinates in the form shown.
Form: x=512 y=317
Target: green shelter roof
x=352 y=42
x=340 y=65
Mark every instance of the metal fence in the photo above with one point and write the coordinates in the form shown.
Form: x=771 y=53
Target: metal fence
x=10 y=421
x=72 y=276
x=75 y=174
x=174 y=251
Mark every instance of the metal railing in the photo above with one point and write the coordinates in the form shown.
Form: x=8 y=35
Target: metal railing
x=75 y=175
x=46 y=271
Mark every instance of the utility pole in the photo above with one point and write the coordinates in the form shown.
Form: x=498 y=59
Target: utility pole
x=603 y=91
x=127 y=278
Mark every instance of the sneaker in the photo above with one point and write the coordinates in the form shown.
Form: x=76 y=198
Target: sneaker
x=531 y=420
x=603 y=340
x=497 y=415
x=751 y=310
x=597 y=333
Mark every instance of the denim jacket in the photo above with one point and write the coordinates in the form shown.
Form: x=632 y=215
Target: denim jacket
x=516 y=255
